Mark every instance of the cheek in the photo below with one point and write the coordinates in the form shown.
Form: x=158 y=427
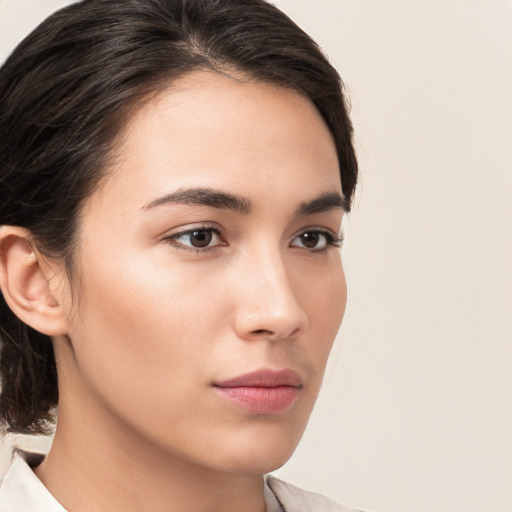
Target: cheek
x=136 y=325
x=329 y=304
x=324 y=294
x=326 y=305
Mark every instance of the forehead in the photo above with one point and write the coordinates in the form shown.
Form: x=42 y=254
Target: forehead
x=222 y=132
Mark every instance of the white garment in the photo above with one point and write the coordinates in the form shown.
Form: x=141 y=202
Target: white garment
x=22 y=491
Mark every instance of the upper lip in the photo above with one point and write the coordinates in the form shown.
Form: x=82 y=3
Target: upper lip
x=264 y=378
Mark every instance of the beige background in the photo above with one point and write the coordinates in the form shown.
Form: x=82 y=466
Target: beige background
x=416 y=412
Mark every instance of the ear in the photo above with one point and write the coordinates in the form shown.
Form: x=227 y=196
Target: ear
x=27 y=281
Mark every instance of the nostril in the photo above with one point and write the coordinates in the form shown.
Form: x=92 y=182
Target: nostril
x=279 y=316
x=273 y=335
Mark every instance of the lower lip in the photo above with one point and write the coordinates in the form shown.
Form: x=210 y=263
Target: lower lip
x=261 y=400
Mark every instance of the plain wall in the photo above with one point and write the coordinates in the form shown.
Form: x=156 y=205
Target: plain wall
x=416 y=411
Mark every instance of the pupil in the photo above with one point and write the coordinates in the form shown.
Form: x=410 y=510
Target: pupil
x=310 y=240
x=201 y=238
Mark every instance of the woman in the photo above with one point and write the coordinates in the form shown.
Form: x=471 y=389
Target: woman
x=174 y=176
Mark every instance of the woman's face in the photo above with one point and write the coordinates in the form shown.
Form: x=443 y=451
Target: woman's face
x=210 y=285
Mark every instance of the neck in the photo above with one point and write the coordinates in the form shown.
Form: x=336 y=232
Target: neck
x=111 y=468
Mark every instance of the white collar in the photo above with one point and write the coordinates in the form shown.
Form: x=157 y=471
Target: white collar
x=22 y=491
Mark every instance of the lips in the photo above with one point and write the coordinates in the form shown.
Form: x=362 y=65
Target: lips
x=263 y=391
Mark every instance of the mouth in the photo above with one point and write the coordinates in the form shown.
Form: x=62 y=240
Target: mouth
x=263 y=391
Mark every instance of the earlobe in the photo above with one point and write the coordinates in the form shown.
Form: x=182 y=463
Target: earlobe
x=25 y=281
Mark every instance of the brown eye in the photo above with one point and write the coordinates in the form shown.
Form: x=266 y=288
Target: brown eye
x=316 y=240
x=200 y=238
x=196 y=239
x=310 y=240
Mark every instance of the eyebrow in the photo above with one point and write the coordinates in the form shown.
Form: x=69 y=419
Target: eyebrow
x=205 y=197
x=239 y=204
x=323 y=203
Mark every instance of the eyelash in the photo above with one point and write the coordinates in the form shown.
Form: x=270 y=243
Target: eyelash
x=330 y=239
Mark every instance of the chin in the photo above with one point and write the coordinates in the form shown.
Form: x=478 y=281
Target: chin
x=260 y=464
x=262 y=454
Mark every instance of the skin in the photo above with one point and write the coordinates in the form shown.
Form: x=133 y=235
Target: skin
x=153 y=322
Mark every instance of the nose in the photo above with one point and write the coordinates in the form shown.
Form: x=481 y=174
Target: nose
x=267 y=306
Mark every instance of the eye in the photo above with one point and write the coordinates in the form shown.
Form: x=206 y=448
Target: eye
x=201 y=238
x=316 y=240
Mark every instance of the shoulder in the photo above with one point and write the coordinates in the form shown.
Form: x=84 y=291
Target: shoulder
x=294 y=499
